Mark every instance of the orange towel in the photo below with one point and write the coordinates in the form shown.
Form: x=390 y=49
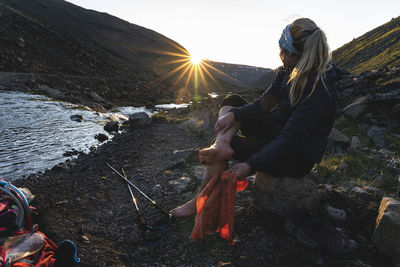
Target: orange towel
x=216 y=206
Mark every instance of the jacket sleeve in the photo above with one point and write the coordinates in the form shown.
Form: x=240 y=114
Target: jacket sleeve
x=297 y=130
x=264 y=104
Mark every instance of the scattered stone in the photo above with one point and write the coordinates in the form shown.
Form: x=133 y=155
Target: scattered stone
x=335 y=215
x=356 y=108
x=101 y=137
x=21 y=42
x=77 y=117
x=85 y=238
x=286 y=195
x=70 y=153
x=111 y=126
x=140 y=119
x=375 y=133
x=386 y=236
x=338 y=137
x=157 y=190
x=182 y=184
x=354 y=144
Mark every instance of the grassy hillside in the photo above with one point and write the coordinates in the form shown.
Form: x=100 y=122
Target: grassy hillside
x=375 y=49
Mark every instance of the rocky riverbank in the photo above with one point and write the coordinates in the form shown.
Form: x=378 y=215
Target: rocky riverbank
x=85 y=201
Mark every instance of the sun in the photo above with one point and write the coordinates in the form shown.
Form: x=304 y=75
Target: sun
x=195 y=59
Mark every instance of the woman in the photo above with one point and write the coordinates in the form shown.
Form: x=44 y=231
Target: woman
x=284 y=132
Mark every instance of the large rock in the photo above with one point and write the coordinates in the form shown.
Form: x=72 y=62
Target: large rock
x=338 y=137
x=285 y=195
x=386 y=236
x=356 y=108
x=375 y=133
x=140 y=119
x=111 y=126
x=76 y=117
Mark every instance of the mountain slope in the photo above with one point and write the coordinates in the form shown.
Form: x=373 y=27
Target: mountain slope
x=122 y=44
x=375 y=49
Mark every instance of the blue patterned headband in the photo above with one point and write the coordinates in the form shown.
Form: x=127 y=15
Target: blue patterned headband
x=286 y=41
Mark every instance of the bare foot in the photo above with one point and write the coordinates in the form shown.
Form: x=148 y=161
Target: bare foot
x=216 y=152
x=187 y=209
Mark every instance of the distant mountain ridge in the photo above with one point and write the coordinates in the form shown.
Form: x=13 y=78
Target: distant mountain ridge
x=239 y=75
x=377 y=48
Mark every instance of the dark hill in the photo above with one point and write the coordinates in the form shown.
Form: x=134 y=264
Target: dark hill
x=91 y=58
x=375 y=49
x=88 y=56
x=239 y=75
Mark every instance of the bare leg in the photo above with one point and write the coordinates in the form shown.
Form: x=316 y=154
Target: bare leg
x=216 y=155
x=221 y=149
x=189 y=208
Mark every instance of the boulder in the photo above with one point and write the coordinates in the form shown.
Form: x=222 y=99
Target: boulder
x=337 y=137
x=355 y=143
x=77 y=117
x=111 y=126
x=140 y=119
x=386 y=236
x=335 y=215
x=101 y=137
x=375 y=133
x=285 y=195
x=356 y=108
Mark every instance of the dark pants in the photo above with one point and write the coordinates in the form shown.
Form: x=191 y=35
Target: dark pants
x=254 y=134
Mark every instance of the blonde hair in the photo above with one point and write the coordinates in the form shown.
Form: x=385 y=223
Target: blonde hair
x=310 y=41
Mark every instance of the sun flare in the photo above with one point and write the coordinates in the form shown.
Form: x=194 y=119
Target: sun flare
x=195 y=59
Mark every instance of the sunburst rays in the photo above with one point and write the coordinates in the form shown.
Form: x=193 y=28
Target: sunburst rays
x=192 y=75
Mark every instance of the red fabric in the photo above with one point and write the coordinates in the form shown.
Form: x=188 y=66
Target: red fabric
x=216 y=206
x=45 y=258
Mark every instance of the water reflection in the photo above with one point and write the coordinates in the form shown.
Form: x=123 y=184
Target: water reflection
x=36 y=131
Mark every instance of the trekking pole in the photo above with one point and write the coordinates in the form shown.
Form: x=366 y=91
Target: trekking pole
x=141 y=192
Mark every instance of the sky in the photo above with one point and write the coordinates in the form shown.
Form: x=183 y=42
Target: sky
x=246 y=31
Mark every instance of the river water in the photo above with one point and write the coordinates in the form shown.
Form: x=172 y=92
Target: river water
x=35 y=131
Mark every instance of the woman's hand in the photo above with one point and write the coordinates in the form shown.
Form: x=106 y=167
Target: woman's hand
x=224 y=123
x=242 y=169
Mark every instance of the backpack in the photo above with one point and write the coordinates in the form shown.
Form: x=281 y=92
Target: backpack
x=21 y=243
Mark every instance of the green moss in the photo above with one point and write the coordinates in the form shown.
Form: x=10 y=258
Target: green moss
x=165 y=117
x=358 y=168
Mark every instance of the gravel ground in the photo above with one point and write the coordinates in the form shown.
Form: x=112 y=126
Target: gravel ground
x=86 y=202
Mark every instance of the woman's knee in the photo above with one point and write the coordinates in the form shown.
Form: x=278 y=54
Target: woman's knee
x=233 y=101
